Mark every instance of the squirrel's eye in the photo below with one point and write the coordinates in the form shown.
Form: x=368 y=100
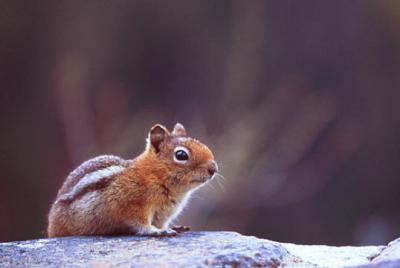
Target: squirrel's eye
x=181 y=154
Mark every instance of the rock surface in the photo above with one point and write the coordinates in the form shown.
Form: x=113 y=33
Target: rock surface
x=389 y=257
x=193 y=249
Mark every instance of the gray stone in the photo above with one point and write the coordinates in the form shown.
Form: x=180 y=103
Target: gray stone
x=388 y=257
x=193 y=249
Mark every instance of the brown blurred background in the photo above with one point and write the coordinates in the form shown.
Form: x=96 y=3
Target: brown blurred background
x=299 y=100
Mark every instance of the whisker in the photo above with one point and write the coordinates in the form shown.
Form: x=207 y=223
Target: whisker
x=210 y=185
x=197 y=196
x=220 y=176
x=221 y=186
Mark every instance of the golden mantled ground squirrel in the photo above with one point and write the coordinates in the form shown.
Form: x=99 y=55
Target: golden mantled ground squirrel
x=109 y=195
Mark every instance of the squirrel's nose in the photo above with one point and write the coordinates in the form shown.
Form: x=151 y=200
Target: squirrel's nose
x=212 y=167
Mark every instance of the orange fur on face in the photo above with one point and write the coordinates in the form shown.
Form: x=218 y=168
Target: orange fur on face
x=139 y=196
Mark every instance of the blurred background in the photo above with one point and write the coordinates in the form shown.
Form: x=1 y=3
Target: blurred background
x=298 y=100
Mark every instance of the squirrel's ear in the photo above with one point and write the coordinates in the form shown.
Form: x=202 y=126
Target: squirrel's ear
x=179 y=130
x=157 y=134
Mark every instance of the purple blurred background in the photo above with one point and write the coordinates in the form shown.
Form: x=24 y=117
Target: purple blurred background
x=298 y=100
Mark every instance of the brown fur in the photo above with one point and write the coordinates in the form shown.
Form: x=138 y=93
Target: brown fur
x=141 y=199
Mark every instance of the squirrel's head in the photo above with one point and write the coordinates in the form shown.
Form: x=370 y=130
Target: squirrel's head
x=187 y=162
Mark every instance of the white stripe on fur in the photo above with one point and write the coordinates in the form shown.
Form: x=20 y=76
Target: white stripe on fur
x=95 y=177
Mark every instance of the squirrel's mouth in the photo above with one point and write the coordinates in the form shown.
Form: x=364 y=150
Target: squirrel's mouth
x=199 y=179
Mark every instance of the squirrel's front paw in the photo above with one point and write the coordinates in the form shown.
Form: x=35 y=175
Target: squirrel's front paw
x=167 y=232
x=163 y=232
x=153 y=231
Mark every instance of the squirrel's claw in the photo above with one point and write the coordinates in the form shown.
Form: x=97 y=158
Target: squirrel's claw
x=155 y=232
x=167 y=232
x=180 y=228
